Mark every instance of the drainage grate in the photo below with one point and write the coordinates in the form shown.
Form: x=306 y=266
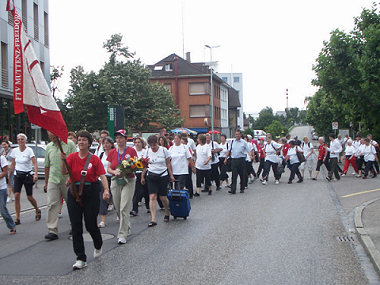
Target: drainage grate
x=346 y=238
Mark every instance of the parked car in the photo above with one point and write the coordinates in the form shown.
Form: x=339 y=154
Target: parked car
x=40 y=155
x=314 y=135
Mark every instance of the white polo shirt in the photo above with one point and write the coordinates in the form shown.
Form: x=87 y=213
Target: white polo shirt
x=179 y=155
x=203 y=153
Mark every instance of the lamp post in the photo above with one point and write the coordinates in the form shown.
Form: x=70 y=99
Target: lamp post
x=211 y=91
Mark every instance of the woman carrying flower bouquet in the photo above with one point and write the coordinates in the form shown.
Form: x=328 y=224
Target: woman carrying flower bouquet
x=159 y=173
x=122 y=184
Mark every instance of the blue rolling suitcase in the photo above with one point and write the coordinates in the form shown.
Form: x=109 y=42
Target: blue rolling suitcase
x=179 y=203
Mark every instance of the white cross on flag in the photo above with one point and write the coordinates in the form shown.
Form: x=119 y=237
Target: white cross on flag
x=29 y=84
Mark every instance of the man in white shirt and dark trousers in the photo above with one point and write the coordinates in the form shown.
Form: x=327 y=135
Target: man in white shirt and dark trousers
x=238 y=151
x=215 y=149
x=335 y=149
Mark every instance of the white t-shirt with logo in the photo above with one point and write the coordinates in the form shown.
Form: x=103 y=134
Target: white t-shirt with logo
x=179 y=155
x=4 y=163
x=23 y=159
x=203 y=153
x=157 y=160
x=307 y=148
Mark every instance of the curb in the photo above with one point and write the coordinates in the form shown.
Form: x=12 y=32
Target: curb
x=364 y=237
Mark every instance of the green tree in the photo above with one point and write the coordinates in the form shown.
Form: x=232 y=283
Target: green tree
x=275 y=128
x=348 y=73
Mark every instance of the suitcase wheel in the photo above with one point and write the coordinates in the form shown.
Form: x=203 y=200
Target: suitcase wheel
x=175 y=218
x=185 y=218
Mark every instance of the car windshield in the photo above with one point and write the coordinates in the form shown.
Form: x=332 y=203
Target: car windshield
x=40 y=151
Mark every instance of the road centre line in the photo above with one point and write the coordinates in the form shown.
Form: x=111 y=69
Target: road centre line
x=359 y=193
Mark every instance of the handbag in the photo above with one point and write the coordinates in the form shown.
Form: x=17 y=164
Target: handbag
x=300 y=156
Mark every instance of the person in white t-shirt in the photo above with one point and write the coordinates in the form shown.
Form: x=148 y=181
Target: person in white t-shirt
x=271 y=150
x=141 y=191
x=222 y=155
x=294 y=162
x=159 y=173
x=180 y=159
x=105 y=205
x=376 y=146
x=307 y=148
x=215 y=150
x=24 y=161
x=99 y=149
x=3 y=196
x=370 y=156
x=202 y=165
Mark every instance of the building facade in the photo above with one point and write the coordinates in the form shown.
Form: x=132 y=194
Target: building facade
x=236 y=81
x=190 y=85
x=35 y=19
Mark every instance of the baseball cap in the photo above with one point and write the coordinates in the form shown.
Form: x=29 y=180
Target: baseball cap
x=122 y=133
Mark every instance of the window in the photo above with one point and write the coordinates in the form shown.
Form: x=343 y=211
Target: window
x=169 y=67
x=4 y=65
x=158 y=67
x=168 y=86
x=24 y=13
x=236 y=79
x=225 y=79
x=199 y=111
x=35 y=14
x=46 y=29
x=198 y=88
x=10 y=18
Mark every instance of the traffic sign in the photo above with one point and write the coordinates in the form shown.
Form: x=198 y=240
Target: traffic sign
x=335 y=125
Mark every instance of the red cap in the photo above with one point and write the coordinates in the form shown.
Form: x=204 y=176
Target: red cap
x=122 y=133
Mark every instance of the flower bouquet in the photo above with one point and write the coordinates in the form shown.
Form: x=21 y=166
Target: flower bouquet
x=128 y=167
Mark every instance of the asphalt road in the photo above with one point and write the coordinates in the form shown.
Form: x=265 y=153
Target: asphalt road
x=273 y=234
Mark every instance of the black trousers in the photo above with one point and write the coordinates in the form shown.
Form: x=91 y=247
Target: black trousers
x=238 y=167
x=261 y=166
x=215 y=174
x=103 y=207
x=294 y=170
x=189 y=182
x=180 y=182
x=89 y=211
x=223 y=169
x=326 y=163
x=203 y=175
x=267 y=166
x=334 y=168
x=141 y=191
x=376 y=164
x=359 y=162
x=369 y=168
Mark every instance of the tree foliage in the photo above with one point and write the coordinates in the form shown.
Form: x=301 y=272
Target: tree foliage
x=121 y=81
x=348 y=77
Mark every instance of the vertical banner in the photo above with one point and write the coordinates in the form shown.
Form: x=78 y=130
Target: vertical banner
x=18 y=71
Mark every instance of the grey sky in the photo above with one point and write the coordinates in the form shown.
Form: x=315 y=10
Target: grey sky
x=273 y=43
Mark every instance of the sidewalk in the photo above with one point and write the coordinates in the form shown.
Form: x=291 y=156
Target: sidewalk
x=367 y=224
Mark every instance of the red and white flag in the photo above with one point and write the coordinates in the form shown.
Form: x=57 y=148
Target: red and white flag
x=30 y=86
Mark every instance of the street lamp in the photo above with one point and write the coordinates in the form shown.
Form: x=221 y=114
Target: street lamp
x=211 y=91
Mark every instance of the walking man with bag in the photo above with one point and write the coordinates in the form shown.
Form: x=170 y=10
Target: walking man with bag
x=55 y=186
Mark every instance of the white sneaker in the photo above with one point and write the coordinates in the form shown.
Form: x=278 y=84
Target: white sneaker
x=251 y=180
x=277 y=182
x=97 y=252
x=110 y=208
x=79 y=265
x=343 y=175
x=121 y=240
x=264 y=182
x=9 y=199
x=60 y=215
x=101 y=224
x=354 y=173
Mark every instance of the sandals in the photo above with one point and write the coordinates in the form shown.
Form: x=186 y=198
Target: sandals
x=17 y=221
x=13 y=231
x=166 y=219
x=152 y=224
x=38 y=215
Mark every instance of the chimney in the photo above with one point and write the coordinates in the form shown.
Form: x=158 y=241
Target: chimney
x=188 y=56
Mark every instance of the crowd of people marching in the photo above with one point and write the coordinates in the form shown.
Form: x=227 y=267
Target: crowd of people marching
x=173 y=161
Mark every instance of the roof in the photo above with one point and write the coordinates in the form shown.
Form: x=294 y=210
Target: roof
x=165 y=68
x=233 y=98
